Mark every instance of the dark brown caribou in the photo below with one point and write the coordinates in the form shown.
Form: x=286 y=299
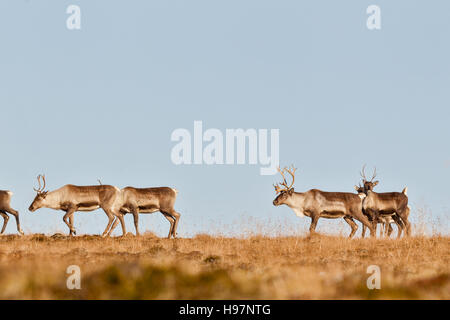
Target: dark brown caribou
x=382 y=206
x=384 y=221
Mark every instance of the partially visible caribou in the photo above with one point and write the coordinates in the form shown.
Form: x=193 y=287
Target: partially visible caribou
x=320 y=204
x=149 y=200
x=384 y=207
x=384 y=221
x=5 y=208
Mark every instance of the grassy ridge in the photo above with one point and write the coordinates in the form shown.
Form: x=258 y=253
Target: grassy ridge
x=206 y=267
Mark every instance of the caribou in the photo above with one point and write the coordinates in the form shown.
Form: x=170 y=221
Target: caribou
x=5 y=208
x=149 y=200
x=71 y=198
x=385 y=206
x=385 y=221
x=320 y=204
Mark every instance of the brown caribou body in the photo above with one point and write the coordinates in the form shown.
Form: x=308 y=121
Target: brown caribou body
x=320 y=204
x=5 y=208
x=150 y=200
x=385 y=221
x=71 y=198
x=394 y=204
x=386 y=205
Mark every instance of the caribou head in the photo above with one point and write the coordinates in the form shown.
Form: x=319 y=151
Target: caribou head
x=360 y=190
x=38 y=201
x=368 y=185
x=282 y=189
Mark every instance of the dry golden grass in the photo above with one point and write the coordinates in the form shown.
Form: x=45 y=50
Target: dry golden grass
x=206 y=267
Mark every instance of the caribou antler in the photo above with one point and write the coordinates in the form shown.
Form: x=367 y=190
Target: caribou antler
x=277 y=188
x=374 y=174
x=291 y=171
x=39 y=181
x=363 y=174
x=284 y=183
x=40 y=189
x=43 y=179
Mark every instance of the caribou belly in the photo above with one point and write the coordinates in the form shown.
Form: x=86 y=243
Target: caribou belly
x=148 y=210
x=88 y=207
x=142 y=209
x=332 y=214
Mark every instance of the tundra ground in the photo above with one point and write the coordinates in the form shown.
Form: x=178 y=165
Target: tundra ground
x=207 y=267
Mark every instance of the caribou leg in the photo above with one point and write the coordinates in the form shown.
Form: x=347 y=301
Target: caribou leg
x=385 y=228
x=16 y=215
x=314 y=220
x=110 y=221
x=389 y=230
x=122 y=222
x=71 y=224
x=352 y=224
x=176 y=216
x=172 y=222
x=375 y=228
x=135 y=212
x=113 y=226
x=5 y=220
x=400 y=225
x=69 y=213
x=363 y=230
x=358 y=215
x=118 y=217
x=403 y=214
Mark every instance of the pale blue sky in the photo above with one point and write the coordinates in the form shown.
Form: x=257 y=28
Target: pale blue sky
x=102 y=102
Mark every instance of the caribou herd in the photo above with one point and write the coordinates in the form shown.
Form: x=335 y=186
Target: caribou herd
x=366 y=206
x=114 y=201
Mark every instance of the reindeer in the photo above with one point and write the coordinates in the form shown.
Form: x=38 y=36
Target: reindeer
x=384 y=221
x=320 y=204
x=70 y=199
x=149 y=200
x=385 y=206
x=5 y=207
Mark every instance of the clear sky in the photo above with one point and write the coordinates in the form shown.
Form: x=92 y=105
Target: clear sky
x=101 y=103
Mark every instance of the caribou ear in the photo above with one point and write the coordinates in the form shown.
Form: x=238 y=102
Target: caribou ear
x=291 y=190
x=375 y=183
x=356 y=188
